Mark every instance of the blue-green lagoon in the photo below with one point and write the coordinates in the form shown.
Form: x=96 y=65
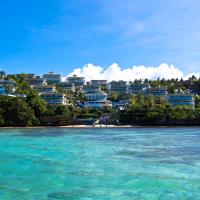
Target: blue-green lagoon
x=100 y=164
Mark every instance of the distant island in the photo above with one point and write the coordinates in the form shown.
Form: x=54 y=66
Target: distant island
x=31 y=100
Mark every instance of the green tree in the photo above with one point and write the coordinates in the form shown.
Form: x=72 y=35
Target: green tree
x=2 y=119
x=114 y=96
x=23 y=87
x=64 y=114
x=37 y=104
x=197 y=101
x=17 y=112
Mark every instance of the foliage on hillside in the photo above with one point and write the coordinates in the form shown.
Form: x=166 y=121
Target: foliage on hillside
x=33 y=110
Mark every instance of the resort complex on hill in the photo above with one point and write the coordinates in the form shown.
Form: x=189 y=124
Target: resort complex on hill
x=96 y=92
x=103 y=97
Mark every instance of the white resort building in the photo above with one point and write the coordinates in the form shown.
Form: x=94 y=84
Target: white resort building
x=119 y=87
x=44 y=88
x=99 y=83
x=2 y=90
x=137 y=87
x=8 y=85
x=95 y=97
x=77 y=81
x=66 y=86
x=54 y=98
x=38 y=81
x=181 y=100
x=52 y=78
x=156 y=91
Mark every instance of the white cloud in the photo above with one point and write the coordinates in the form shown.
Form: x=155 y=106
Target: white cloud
x=115 y=72
x=197 y=75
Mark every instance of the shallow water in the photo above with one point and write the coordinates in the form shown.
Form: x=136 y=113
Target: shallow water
x=100 y=164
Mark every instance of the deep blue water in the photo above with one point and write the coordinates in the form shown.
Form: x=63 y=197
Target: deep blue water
x=100 y=164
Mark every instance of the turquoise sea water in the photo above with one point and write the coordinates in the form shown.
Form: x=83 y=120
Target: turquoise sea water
x=100 y=164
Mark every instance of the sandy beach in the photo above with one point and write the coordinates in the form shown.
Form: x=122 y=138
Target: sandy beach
x=75 y=126
x=96 y=126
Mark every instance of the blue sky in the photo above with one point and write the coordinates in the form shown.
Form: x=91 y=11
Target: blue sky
x=60 y=35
